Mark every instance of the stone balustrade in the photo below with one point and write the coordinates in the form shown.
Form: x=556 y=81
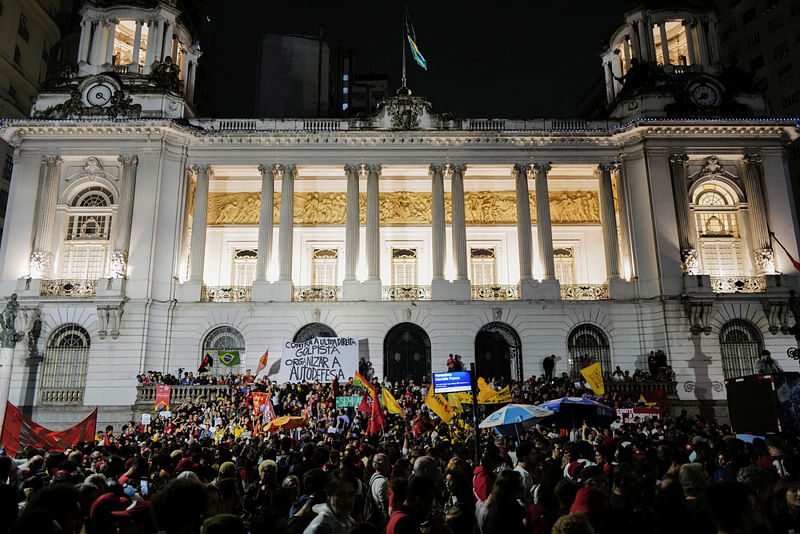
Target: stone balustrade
x=406 y=293
x=227 y=294
x=584 y=292
x=179 y=394
x=69 y=288
x=489 y=292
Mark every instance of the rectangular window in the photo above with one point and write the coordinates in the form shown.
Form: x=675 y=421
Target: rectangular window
x=244 y=267
x=84 y=261
x=8 y=167
x=564 y=260
x=3 y=202
x=483 y=264
x=722 y=258
x=85 y=227
x=22 y=29
x=17 y=55
x=324 y=265
x=404 y=267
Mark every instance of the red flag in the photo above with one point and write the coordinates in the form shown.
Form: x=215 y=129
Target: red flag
x=269 y=412
x=205 y=364
x=791 y=259
x=335 y=387
x=19 y=431
x=162 y=398
x=262 y=362
x=365 y=406
x=259 y=402
x=376 y=421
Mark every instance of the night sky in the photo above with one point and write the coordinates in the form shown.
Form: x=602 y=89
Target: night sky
x=514 y=59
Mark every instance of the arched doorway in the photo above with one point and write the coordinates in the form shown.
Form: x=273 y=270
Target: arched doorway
x=740 y=343
x=498 y=352
x=406 y=353
x=312 y=330
x=588 y=345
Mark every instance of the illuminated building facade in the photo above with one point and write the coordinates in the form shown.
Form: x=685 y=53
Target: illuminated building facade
x=155 y=241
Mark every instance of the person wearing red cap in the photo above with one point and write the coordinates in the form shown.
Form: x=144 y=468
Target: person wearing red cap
x=594 y=504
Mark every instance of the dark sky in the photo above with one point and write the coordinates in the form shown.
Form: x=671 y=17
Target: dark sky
x=517 y=58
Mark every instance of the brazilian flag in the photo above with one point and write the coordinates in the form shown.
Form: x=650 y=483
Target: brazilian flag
x=229 y=357
x=411 y=35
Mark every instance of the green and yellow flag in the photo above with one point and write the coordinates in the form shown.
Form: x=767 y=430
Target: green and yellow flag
x=229 y=357
x=411 y=35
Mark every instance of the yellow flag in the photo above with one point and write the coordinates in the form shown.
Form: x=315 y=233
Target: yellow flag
x=390 y=403
x=438 y=404
x=484 y=391
x=594 y=377
x=644 y=401
x=504 y=395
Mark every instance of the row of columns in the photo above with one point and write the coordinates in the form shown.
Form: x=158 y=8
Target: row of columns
x=752 y=178
x=454 y=172
x=96 y=44
x=44 y=239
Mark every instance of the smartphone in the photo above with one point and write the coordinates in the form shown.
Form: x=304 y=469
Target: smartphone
x=144 y=487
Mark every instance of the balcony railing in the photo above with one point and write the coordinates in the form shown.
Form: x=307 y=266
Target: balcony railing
x=669 y=387
x=406 y=293
x=495 y=292
x=227 y=294
x=316 y=293
x=69 y=288
x=738 y=284
x=58 y=396
x=178 y=394
x=584 y=292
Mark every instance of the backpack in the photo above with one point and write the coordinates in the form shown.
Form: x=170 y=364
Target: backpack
x=373 y=512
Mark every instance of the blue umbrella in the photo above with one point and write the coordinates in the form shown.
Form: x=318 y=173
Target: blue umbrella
x=575 y=411
x=515 y=413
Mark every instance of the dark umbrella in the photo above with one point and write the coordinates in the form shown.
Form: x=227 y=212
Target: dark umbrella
x=571 y=412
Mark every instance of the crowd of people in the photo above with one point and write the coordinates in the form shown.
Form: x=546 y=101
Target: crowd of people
x=211 y=467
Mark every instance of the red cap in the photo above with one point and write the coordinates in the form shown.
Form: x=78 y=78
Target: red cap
x=108 y=503
x=592 y=502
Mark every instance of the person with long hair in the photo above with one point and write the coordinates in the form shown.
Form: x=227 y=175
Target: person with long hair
x=503 y=510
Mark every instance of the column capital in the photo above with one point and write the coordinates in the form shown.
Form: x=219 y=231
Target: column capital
x=201 y=167
x=289 y=168
x=435 y=169
x=681 y=158
x=266 y=167
x=128 y=159
x=112 y=21
x=374 y=167
x=51 y=160
x=520 y=168
x=752 y=159
x=542 y=167
x=608 y=167
x=349 y=169
x=457 y=167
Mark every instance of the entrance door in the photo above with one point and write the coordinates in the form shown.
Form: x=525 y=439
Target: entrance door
x=498 y=352
x=407 y=353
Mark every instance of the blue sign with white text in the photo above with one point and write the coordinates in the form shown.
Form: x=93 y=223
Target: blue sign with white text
x=451 y=382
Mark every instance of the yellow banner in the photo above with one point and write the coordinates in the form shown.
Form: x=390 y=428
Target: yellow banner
x=504 y=395
x=484 y=391
x=438 y=404
x=390 y=403
x=594 y=377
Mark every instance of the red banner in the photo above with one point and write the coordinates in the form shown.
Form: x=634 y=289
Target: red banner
x=259 y=402
x=19 y=432
x=162 y=398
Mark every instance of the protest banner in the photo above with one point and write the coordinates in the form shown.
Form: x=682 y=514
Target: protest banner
x=259 y=402
x=162 y=398
x=145 y=419
x=322 y=358
x=351 y=401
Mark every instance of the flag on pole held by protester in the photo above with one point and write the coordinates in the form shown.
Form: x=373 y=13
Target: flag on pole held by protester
x=228 y=357
x=259 y=401
x=162 y=398
x=411 y=35
x=594 y=377
x=438 y=404
x=205 y=364
x=20 y=432
x=377 y=421
x=391 y=404
x=360 y=380
x=269 y=412
x=262 y=362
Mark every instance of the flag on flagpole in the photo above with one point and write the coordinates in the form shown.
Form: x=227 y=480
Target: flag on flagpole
x=391 y=403
x=377 y=421
x=228 y=357
x=412 y=43
x=262 y=362
x=269 y=412
x=594 y=377
x=438 y=404
x=795 y=263
x=360 y=380
x=205 y=364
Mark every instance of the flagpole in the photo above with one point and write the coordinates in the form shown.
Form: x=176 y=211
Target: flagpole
x=403 y=82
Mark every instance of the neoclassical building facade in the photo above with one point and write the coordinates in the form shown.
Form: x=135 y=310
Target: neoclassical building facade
x=137 y=243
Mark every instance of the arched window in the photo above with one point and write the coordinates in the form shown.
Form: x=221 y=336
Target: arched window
x=312 y=330
x=225 y=346
x=715 y=207
x=86 y=245
x=740 y=343
x=64 y=369
x=587 y=345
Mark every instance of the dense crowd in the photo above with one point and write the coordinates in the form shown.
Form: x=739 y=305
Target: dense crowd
x=211 y=467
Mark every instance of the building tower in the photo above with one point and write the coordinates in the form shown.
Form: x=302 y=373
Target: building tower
x=134 y=59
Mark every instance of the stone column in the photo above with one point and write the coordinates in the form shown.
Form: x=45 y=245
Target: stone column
x=664 y=44
x=112 y=29
x=157 y=39
x=197 y=252
x=624 y=226
x=86 y=31
x=459 y=221
x=702 y=43
x=96 y=46
x=166 y=46
x=543 y=224
x=626 y=52
x=437 y=221
x=127 y=186
x=41 y=260
x=137 y=43
x=687 y=232
x=352 y=223
x=608 y=220
x=265 y=221
x=757 y=214
x=524 y=238
x=687 y=27
x=152 y=26
x=373 y=225
x=286 y=232
x=635 y=42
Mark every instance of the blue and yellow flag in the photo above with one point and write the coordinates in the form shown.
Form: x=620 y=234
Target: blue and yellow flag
x=412 y=42
x=228 y=357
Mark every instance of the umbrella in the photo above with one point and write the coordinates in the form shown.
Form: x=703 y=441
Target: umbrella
x=515 y=413
x=286 y=422
x=577 y=410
